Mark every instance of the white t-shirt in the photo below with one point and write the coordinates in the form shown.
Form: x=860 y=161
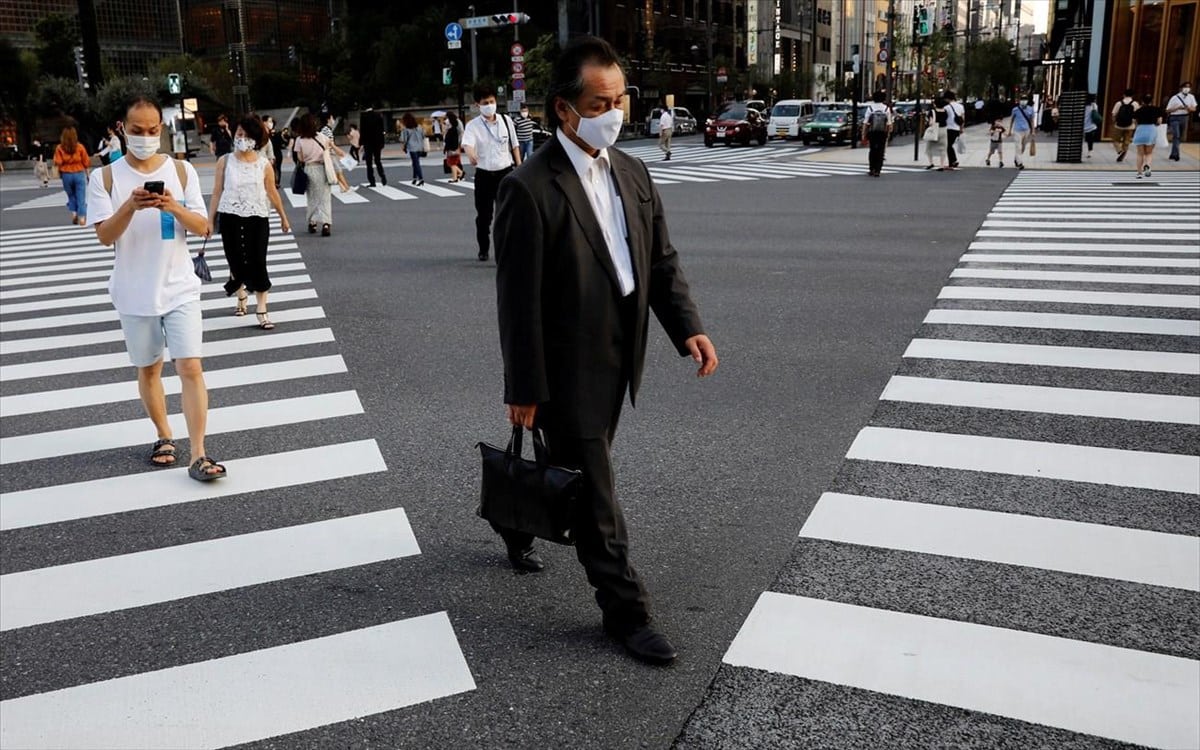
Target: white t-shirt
x=493 y=142
x=666 y=120
x=954 y=116
x=151 y=276
x=1180 y=104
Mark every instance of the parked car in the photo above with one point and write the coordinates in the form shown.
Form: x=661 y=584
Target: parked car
x=685 y=122
x=830 y=126
x=759 y=106
x=832 y=107
x=788 y=116
x=735 y=124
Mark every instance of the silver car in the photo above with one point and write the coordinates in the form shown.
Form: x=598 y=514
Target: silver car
x=685 y=123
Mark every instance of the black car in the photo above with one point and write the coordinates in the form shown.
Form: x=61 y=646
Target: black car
x=736 y=124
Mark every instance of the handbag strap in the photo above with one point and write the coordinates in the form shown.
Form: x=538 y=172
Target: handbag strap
x=540 y=453
x=202 y=246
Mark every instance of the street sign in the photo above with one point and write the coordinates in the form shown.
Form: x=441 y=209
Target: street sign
x=941 y=74
x=518 y=84
x=190 y=105
x=517 y=49
x=453 y=44
x=518 y=95
x=518 y=58
x=518 y=67
x=476 y=22
x=882 y=56
x=454 y=32
x=517 y=76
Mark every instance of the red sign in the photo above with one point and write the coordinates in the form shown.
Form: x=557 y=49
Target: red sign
x=721 y=72
x=516 y=49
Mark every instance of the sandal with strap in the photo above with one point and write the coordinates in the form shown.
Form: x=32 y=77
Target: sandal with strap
x=160 y=450
x=264 y=322
x=199 y=470
x=240 y=310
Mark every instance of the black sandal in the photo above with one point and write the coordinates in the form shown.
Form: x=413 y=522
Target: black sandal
x=159 y=450
x=325 y=230
x=199 y=469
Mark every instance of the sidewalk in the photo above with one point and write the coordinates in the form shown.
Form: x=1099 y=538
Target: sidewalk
x=900 y=153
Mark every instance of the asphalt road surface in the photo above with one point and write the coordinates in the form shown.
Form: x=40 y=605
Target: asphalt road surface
x=337 y=589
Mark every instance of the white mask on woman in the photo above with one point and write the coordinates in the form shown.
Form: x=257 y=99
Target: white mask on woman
x=243 y=144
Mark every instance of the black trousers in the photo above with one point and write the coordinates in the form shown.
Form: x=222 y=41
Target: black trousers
x=486 y=184
x=372 y=154
x=245 y=239
x=878 y=145
x=951 y=137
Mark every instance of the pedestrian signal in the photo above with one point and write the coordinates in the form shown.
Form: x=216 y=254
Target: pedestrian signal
x=174 y=84
x=447 y=76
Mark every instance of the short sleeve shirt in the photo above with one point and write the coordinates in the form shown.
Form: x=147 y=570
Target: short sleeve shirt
x=493 y=142
x=666 y=120
x=151 y=276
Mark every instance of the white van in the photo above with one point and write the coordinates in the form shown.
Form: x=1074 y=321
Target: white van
x=788 y=116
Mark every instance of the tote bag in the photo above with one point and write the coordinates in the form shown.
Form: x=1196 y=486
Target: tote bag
x=1161 y=138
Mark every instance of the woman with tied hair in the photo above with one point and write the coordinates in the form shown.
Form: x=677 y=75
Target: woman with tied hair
x=72 y=161
x=310 y=152
x=243 y=194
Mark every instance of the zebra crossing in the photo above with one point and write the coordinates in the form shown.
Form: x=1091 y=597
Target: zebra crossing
x=1014 y=533
x=72 y=450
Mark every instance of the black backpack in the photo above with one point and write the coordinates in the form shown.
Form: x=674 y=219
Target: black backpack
x=877 y=122
x=1125 y=115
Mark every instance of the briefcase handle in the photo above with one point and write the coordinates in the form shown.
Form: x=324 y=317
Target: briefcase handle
x=540 y=454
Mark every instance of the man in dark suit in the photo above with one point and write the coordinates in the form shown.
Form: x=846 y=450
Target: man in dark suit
x=372 y=139
x=583 y=256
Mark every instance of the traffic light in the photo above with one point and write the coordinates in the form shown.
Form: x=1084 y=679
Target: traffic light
x=447 y=76
x=924 y=25
x=81 y=69
x=292 y=54
x=509 y=19
x=174 y=84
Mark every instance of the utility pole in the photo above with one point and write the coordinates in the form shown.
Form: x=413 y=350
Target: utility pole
x=708 y=63
x=891 y=48
x=474 y=57
x=91 y=45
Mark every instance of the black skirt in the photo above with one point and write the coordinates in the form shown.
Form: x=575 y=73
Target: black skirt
x=245 y=241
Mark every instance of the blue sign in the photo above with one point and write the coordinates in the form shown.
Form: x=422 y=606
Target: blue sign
x=453 y=31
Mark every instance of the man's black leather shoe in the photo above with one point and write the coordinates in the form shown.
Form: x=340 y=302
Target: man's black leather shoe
x=526 y=560
x=645 y=644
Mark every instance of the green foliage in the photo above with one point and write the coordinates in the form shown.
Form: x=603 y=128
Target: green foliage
x=990 y=65
x=57 y=36
x=539 y=65
x=17 y=82
x=116 y=93
x=200 y=78
x=55 y=97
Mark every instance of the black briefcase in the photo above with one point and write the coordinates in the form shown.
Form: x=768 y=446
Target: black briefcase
x=528 y=496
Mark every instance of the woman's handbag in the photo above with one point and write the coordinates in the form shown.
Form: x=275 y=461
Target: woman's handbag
x=200 y=265
x=1161 y=137
x=1032 y=144
x=527 y=496
x=299 y=180
x=446 y=166
x=931 y=132
x=331 y=175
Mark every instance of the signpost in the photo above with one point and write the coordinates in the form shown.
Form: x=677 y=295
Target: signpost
x=517 y=56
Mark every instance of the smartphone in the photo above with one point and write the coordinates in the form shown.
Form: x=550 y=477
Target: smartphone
x=153 y=186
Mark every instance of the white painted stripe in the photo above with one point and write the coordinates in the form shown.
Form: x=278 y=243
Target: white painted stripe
x=250 y=416
x=1068 y=296
x=1168 y=472
x=106 y=263
x=677 y=177
x=1149 y=557
x=255 y=342
x=1150 y=228
x=252 y=696
x=699 y=171
x=1081 y=260
x=1142 y=407
x=87 y=300
x=1088 y=214
x=92 y=587
x=41 y=290
x=15 y=346
x=350 y=197
x=107 y=316
x=660 y=181
x=297 y=201
x=156 y=488
x=440 y=192
x=105 y=273
x=229 y=377
x=1046 y=234
x=1089 y=276
x=1181 y=363
x=465 y=184
x=1090 y=247
x=1064 y=321
x=391 y=193
x=56 y=252
x=1122 y=694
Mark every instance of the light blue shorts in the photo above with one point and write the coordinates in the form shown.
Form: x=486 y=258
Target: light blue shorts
x=181 y=330
x=1145 y=135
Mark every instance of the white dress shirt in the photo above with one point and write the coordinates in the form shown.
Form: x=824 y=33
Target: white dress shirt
x=493 y=142
x=1180 y=104
x=596 y=175
x=666 y=120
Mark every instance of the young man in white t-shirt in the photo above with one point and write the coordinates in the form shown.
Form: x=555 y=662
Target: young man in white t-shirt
x=153 y=285
x=666 y=128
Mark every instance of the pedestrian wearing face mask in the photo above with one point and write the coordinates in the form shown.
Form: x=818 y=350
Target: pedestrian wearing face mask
x=583 y=255
x=243 y=194
x=524 y=125
x=490 y=143
x=1020 y=125
x=1180 y=107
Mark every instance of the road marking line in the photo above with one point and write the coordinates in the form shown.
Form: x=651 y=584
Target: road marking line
x=154 y=576
x=1088 y=276
x=700 y=171
x=1063 y=321
x=90 y=249
x=1149 y=557
x=350 y=197
x=297 y=201
x=106 y=263
x=677 y=177
x=1152 y=228
x=161 y=487
x=110 y=435
x=107 y=316
x=1168 y=472
x=1118 y=693
x=87 y=300
x=440 y=192
x=44 y=291
x=1081 y=260
x=106 y=272
x=1181 y=363
x=1068 y=296
x=250 y=696
x=229 y=377
x=1084 y=214
x=391 y=193
x=1071 y=235
x=1090 y=247
x=1079 y=402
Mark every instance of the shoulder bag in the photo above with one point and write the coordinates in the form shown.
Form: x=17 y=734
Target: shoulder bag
x=299 y=180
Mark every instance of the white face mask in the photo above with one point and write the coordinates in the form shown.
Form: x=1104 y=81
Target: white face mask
x=1187 y=89
x=487 y=110
x=601 y=131
x=142 y=147
x=243 y=144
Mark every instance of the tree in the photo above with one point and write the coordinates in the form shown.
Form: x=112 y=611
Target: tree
x=16 y=87
x=200 y=78
x=990 y=65
x=57 y=36
x=539 y=65
x=58 y=97
x=116 y=93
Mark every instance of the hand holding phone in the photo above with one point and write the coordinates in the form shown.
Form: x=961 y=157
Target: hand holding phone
x=153 y=186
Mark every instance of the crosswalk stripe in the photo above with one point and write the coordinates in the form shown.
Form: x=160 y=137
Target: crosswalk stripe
x=1079 y=402
x=1081 y=260
x=297 y=201
x=98 y=437
x=1088 y=276
x=110 y=316
x=467 y=184
x=1041 y=355
x=440 y=192
x=1091 y=214
x=105 y=272
x=391 y=193
x=1150 y=228
x=229 y=377
x=1068 y=296
x=106 y=263
x=1118 y=693
x=680 y=177
x=1064 y=322
x=49 y=247
x=1168 y=472
x=1045 y=234
x=1138 y=555
x=1091 y=247
x=45 y=291
x=156 y=488
x=255 y=342
x=350 y=197
x=251 y=696
x=715 y=172
x=138 y=579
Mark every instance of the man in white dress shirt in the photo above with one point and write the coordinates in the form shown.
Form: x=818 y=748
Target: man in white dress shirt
x=666 y=128
x=490 y=142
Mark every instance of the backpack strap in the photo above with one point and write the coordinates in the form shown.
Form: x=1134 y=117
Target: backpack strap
x=181 y=173
x=106 y=176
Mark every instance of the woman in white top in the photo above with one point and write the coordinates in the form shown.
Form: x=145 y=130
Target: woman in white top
x=243 y=194
x=109 y=147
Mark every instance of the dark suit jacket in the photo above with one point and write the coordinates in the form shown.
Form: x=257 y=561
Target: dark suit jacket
x=371 y=129
x=570 y=342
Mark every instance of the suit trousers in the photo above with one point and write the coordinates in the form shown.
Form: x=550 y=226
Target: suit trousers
x=372 y=154
x=951 y=137
x=487 y=183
